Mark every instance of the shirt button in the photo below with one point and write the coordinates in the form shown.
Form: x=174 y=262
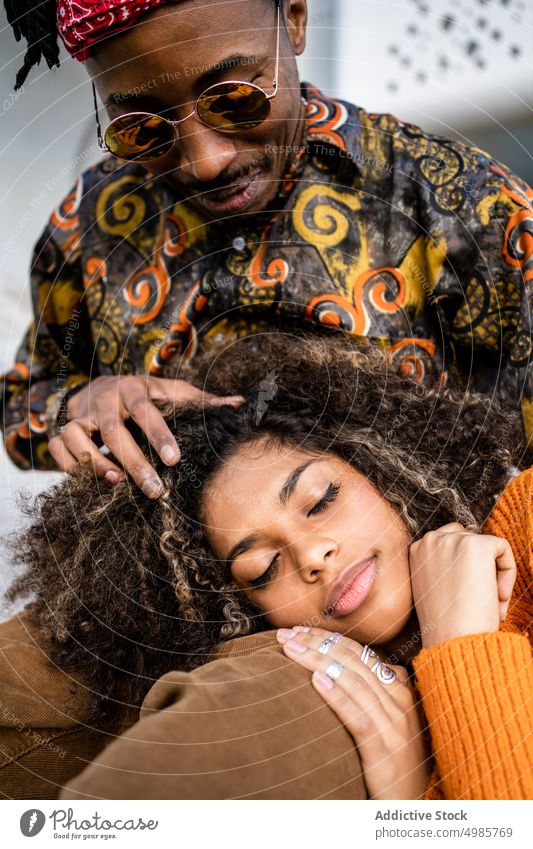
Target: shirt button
x=239 y=243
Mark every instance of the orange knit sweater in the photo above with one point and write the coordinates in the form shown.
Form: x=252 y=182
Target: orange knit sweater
x=487 y=752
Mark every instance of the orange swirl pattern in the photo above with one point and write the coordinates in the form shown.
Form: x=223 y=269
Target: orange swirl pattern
x=95 y=270
x=378 y=289
x=335 y=310
x=151 y=283
x=276 y=271
x=518 y=245
x=325 y=117
x=174 y=245
x=514 y=188
x=182 y=336
x=65 y=216
x=517 y=248
x=413 y=357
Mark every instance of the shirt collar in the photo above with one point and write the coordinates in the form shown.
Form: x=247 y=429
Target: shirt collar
x=333 y=128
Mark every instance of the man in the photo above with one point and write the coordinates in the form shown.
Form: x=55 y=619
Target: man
x=257 y=204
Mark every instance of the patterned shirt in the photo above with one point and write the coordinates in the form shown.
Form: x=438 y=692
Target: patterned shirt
x=379 y=230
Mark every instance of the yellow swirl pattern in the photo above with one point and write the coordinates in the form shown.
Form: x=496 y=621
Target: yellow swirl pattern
x=332 y=225
x=122 y=216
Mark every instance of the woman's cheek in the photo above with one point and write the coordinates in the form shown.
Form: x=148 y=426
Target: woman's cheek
x=390 y=617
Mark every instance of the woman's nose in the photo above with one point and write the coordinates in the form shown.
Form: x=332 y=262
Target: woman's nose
x=316 y=558
x=203 y=152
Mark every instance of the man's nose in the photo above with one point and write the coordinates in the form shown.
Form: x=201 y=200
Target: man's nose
x=204 y=153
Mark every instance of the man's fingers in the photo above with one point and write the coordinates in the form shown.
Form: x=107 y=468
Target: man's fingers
x=119 y=440
x=63 y=457
x=218 y=401
x=144 y=413
x=180 y=392
x=132 y=397
x=79 y=444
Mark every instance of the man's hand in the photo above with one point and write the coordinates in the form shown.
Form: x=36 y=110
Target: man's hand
x=462 y=582
x=104 y=405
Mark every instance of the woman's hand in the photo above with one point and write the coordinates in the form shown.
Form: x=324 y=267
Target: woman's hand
x=462 y=583
x=382 y=718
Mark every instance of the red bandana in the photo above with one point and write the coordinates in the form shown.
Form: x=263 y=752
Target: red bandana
x=84 y=22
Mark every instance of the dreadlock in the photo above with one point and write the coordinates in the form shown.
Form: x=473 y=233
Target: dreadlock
x=36 y=21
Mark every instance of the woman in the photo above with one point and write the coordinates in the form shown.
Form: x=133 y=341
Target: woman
x=342 y=498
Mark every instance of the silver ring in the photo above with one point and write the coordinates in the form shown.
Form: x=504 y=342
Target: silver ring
x=326 y=644
x=366 y=654
x=383 y=672
x=334 y=670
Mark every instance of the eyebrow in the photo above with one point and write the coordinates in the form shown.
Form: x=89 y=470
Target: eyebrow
x=208 y=75
x=212 y=73
x=286 y=492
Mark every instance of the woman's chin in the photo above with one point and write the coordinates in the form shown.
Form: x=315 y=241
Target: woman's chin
x=378 y=633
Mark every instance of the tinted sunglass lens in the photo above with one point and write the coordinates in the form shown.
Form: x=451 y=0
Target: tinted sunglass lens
x=233 y=106
x=139 y=137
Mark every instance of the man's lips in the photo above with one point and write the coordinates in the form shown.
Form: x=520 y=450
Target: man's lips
x=234 y=198
x=353 y=586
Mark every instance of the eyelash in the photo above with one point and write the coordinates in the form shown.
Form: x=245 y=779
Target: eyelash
x=328 y=498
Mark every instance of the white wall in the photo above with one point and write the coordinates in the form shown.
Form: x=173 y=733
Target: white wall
x=46 y=138
x=449 y=65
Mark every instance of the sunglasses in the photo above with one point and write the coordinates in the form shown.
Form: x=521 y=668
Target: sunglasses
x=229 y=107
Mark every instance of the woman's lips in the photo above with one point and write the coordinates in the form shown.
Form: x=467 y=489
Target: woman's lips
x=354 y=588
x=234 y=202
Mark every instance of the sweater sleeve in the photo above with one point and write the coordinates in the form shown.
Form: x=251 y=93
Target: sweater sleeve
x=477 y=690
x=477 y=693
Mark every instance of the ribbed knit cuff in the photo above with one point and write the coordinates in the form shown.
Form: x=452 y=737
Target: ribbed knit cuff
x=477 y=693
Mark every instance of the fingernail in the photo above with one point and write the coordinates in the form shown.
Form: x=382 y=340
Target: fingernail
x=152 y=487
x=237 y=399
x=323 y=682
x=301 y=629
x=169 y=455
x=296 y=647
x=113 y=477
x=285 y=634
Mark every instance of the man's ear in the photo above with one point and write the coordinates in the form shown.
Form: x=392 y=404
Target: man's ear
x=295 y=14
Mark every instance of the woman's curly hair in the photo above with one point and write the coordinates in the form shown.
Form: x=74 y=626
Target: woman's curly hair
x=128 y=588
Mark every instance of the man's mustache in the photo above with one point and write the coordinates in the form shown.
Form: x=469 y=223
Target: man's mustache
x=226 y=182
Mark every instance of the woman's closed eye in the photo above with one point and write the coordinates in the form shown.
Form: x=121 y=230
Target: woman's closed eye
x=328 y=498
